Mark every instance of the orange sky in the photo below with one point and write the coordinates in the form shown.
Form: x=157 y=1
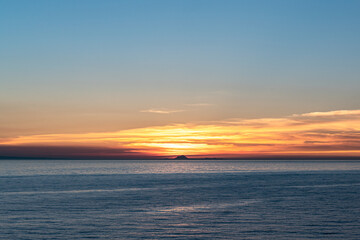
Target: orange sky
x=316 y=134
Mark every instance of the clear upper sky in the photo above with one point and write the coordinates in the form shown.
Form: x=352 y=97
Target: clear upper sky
x=87 y=66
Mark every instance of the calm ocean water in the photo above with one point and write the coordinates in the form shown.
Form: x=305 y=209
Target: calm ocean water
x=42 y=199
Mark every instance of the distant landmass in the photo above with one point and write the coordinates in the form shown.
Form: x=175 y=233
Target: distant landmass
x=181 y=157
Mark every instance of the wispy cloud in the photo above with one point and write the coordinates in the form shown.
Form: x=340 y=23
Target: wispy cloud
x=329 y=114
x=161 y=111
x=169 y=111
x=309 y=134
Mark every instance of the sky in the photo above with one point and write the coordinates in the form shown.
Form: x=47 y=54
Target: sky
x=154 y=79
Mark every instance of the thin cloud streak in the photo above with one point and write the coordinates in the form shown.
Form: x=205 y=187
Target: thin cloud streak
x=329 y=114
x=161 y=111
x=309 y=134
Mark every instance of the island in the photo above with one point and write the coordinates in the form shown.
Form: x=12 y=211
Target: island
x=181 y=157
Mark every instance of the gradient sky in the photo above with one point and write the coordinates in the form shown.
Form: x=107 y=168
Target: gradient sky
x=197 y=77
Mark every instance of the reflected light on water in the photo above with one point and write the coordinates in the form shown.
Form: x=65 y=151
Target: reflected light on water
x=56 y=167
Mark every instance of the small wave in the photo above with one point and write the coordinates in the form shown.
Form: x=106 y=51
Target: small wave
x=75 y=191
x=203 y=207
x=95 y=190
x=326 y=185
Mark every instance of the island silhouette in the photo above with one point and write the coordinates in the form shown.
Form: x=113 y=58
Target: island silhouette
x=181 y=157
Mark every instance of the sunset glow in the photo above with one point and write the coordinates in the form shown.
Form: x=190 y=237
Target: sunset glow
x=312 y=134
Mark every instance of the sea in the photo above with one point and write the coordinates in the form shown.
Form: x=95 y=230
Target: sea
x=168 y=199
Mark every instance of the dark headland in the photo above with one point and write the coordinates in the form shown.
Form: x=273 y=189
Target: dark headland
x=181 y=157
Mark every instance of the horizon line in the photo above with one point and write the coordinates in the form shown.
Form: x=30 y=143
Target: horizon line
x=188 y=158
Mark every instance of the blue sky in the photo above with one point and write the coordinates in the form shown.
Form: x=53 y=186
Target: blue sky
x=101 y=65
